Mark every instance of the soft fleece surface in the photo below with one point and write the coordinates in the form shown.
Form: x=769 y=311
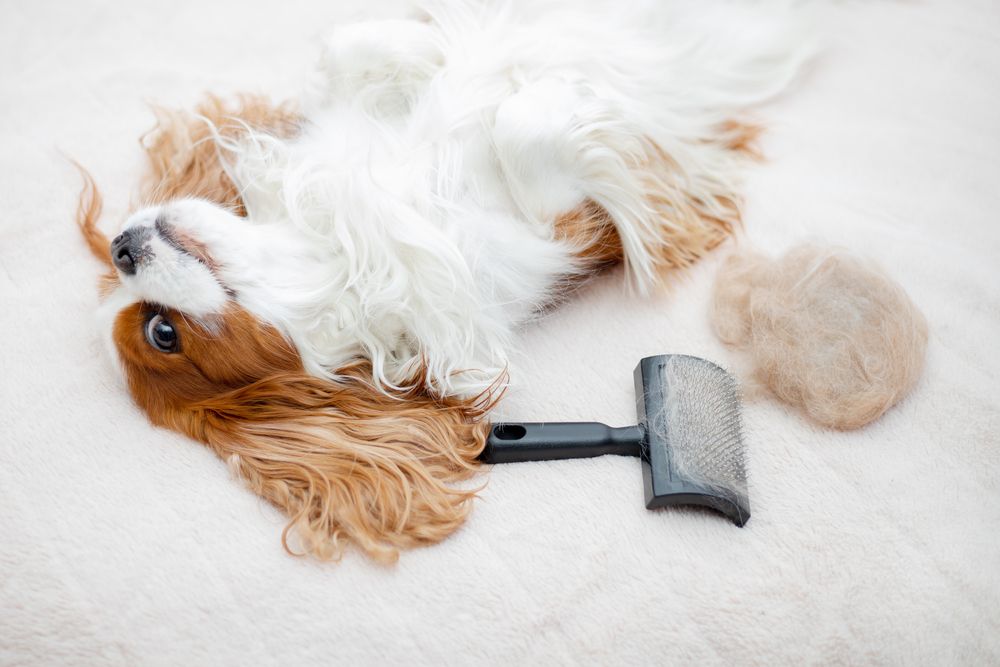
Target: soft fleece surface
x=124 y=544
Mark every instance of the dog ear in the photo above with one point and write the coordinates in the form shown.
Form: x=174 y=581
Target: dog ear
x=348 y=463
x=88 y=212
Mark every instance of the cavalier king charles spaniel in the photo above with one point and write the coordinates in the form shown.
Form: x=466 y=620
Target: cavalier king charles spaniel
x=326 y=291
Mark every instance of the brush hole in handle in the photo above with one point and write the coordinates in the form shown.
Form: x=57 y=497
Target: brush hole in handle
x=513 y=442
x=509 y=432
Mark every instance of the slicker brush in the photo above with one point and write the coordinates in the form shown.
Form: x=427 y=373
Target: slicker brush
x=689 y=437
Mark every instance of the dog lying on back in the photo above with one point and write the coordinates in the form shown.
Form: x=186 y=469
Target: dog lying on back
x=325 y=292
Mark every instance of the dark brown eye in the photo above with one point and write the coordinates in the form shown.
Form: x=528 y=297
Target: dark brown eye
x=160 y=333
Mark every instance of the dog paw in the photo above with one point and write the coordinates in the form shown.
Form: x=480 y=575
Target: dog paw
x=540 y=116
x=533 y=134
x=384 y=62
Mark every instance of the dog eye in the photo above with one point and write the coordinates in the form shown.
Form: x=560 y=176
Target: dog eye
x=160 y=334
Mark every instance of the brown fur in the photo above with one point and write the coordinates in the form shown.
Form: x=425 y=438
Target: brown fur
x=88 y=212
x=824 y=330
x=741 y=137
x=184 y=161
x=184 y=158
x=345 y=462
x=692 y=227
x=590 y=230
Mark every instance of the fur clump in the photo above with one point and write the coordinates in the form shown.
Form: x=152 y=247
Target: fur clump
x=826 y=331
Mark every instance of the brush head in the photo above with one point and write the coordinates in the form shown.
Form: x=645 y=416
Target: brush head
x=693 y=453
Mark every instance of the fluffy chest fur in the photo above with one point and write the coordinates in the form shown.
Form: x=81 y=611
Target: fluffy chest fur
x=436 y=157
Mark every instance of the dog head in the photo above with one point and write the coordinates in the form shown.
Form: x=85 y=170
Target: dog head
x=193 y=310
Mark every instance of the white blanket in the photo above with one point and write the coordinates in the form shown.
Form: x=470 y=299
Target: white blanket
x=124 y=544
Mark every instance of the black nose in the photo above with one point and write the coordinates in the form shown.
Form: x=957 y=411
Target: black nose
x=124 y=252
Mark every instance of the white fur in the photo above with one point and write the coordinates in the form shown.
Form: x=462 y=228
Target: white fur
x=411 y=221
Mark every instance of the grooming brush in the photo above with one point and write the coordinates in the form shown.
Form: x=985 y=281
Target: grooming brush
x=689 y=437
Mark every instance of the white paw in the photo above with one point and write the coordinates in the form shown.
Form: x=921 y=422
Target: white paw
x=534 y=138
x=540 y=115
x=388 y=60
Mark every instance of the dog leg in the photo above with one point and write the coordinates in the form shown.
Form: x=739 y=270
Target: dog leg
x=536 y=149
x=568 y=155
x=571 y=161
x=381 y=64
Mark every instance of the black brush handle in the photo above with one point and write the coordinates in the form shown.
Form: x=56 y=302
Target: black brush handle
x=512 y=442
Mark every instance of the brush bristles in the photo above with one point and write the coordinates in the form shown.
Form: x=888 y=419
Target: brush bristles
x=702 y=424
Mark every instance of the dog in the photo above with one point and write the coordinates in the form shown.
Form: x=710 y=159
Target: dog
x=326 y=291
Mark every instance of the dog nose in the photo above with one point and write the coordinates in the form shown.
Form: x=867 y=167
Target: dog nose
x=124 y=252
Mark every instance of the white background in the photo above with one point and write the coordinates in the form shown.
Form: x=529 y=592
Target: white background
x=125 y=544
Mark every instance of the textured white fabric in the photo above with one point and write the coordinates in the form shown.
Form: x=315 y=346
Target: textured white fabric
x=124 y=544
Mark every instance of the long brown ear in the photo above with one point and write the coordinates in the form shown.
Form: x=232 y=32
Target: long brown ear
x=347 y=463
x=88 y=211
